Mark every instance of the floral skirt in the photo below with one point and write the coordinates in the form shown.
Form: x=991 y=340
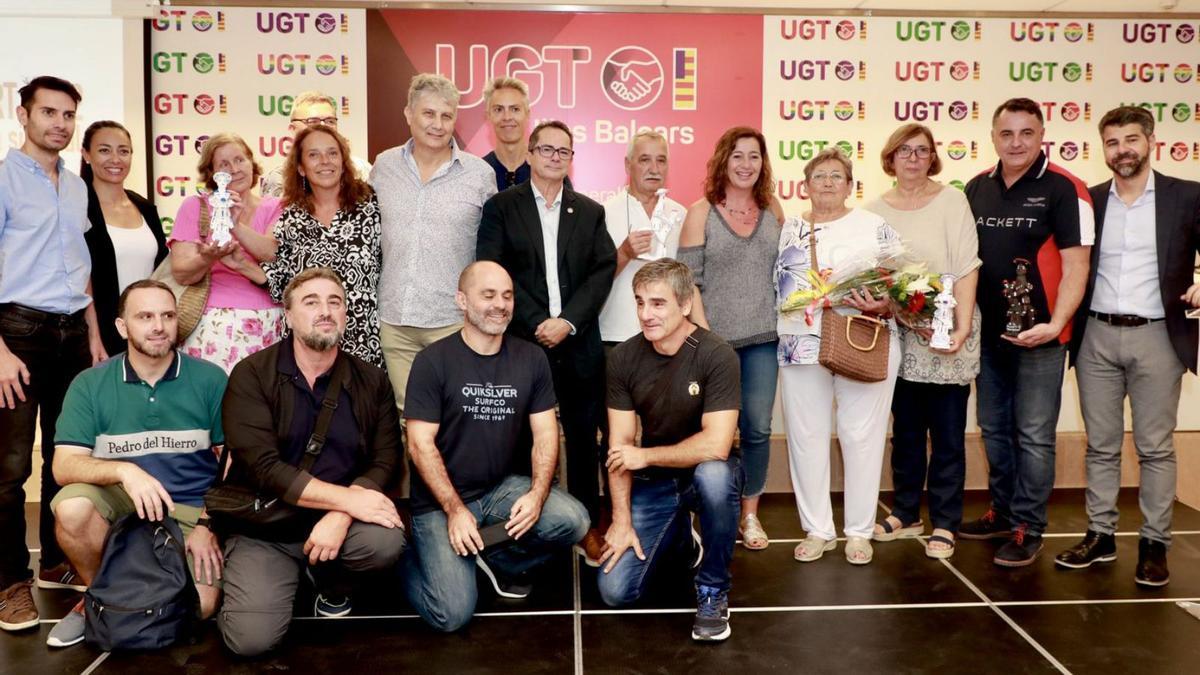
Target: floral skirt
x=226 y=336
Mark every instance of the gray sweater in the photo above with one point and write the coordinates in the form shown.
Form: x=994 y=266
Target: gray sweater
x=734 y=275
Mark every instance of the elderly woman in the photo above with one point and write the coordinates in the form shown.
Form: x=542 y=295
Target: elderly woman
x=240 y=318
x=840 y=234
x=126 y=240
x=729 y=239
x=331 y=219
x=936 y=224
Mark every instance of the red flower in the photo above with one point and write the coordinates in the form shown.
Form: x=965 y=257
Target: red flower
x=916 y=303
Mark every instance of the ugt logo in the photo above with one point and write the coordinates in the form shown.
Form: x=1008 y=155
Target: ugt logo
x=632 y=78
x=926 y=31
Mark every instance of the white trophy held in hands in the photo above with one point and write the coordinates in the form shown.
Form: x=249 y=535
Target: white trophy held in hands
x=943 y=314
x=661 y=224
x=220 y=202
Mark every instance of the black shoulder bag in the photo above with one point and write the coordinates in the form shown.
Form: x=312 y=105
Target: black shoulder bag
x=238 y=508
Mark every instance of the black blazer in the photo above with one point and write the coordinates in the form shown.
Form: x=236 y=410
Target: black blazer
x=1177 y=224
x=104 y=264
x=510 y=233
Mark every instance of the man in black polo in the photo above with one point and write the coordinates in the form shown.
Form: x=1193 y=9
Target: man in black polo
x=1028 y=212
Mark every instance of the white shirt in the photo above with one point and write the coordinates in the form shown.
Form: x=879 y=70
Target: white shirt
x=549 y=215
x=135 y=249
x=623 y=214
x=1127 y=271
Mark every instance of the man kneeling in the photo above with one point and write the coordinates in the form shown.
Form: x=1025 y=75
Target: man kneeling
x=468 y=397
x=684 y=383
x=272 y=412
x=137 y=434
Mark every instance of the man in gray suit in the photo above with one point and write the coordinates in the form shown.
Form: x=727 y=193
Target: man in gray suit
x=1133 y=339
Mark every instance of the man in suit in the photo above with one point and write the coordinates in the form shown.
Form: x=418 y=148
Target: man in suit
x=1134 y=340
x=553 y=242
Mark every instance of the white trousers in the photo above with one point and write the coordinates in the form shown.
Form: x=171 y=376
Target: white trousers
x=863 y=408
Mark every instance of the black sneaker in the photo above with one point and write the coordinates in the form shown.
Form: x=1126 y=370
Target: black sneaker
x=1021 y=550
x=331 y=606
x=1152 y=563
x=990 y=525
x=712 y=615
x=505 y=588
x=1094 y=548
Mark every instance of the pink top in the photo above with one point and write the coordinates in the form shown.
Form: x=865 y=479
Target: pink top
x=229 y=290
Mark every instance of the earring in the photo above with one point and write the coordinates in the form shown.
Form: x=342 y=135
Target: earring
x=305 y=181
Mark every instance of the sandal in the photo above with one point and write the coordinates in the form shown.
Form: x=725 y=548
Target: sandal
x=939 y=553
x=885 y=531
x=754 y=537
x=858 y=550
x=812 y=548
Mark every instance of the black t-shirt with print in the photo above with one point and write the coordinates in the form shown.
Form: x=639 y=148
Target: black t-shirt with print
x=482 y=403
x=710 y=380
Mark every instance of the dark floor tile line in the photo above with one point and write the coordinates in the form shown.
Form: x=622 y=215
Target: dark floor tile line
x=1001 y=613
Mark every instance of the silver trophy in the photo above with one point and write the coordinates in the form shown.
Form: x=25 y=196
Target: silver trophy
x=661 y=224
x=220 y=223
x=943 y=314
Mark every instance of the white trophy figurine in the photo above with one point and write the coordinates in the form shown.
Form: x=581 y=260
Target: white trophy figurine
x=943 y=314
x=661 y=224
x=220 y=223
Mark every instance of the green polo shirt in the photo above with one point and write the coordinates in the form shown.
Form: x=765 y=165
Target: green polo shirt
x=168 y=429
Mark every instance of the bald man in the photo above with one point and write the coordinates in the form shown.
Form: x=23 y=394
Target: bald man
x=469 y=394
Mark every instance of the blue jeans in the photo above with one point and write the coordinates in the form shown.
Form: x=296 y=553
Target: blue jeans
x=440 y=584
x=760 y=374
x=939 y=410
x=1019 y=394
x=661 y=510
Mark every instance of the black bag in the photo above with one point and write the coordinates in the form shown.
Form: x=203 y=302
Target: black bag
x=143 y=596
x=240 y=509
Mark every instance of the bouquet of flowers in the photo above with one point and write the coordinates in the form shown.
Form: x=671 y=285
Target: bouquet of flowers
x=907 y=285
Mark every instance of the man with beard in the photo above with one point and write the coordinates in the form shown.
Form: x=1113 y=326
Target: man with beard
x=139 y=434
x=1132 y=339
x=468 y=397
x=48 y=330
x=334 y=466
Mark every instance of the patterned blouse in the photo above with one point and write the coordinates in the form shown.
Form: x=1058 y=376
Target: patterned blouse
x=858 y=234
x=351 y=247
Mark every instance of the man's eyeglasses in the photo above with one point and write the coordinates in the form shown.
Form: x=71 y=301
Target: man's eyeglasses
x=313 y=121
x=549 y=151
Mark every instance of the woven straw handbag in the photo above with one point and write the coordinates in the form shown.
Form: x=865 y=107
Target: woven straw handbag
x=190 y=300
x=855 y=347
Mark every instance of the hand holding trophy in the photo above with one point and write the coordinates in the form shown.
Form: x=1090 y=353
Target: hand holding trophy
x=943 y=315
x=220 y=202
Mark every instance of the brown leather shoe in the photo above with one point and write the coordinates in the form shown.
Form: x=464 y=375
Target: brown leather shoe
x=61 y=575
x=17 y=611
x=591 y=547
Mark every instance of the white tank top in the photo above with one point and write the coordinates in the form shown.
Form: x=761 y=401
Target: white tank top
x=135 y=250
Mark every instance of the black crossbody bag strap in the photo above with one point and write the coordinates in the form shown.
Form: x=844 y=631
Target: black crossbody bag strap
x=658 y=394
x=316 y=442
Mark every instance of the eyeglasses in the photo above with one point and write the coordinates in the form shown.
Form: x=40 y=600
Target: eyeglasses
x=921 y=151
x=549 y=151
x=313 y=121
x=822 y=177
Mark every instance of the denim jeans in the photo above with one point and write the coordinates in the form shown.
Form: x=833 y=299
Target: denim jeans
x=760 y=374
x=54 y=348
x=1019 y=394
x=662 y=513
x=440 y=584
x=939 y=411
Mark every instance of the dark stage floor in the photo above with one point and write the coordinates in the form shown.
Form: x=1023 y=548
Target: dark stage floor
x=903 y=613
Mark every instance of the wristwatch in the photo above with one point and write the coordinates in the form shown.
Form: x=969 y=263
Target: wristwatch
x=204 y=521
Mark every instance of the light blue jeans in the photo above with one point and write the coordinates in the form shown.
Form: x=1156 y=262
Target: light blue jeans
x=760 y=374
x=440 y=584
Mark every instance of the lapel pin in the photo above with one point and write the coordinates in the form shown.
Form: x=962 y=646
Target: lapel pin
x=570 y=210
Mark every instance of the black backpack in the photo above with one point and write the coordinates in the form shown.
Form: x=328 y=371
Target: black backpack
x=143 y=596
